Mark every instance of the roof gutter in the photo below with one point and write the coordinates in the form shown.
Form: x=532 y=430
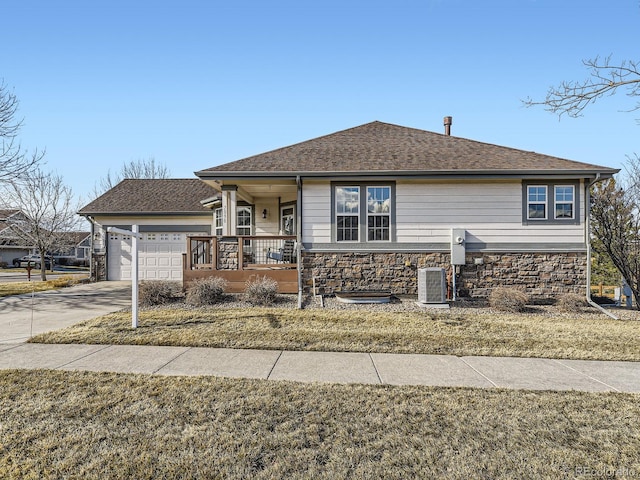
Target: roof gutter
x=587 y=235
x=443 y=174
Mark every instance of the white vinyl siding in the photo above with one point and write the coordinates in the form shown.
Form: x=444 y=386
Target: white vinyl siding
x=491 y=213
x=316 y=212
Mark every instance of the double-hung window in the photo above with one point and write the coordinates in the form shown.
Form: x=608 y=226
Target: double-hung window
x=547 y=202
x=347 y=213
x=363 y=213
x=537 y=202
x=564 y=201
x=378 y=213
x=219 y=221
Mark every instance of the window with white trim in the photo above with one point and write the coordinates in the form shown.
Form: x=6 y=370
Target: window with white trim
x=564 y=201
x=347 y=213
x=243 y=220
x=217 y=215
x=549 y=202
x=378 y=213
x=537 y=202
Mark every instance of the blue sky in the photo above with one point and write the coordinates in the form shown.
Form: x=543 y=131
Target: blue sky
x=199 y=83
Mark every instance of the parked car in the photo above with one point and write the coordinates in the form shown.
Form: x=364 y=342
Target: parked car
x=32 y=260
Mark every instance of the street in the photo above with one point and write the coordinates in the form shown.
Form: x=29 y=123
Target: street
x=20 y=275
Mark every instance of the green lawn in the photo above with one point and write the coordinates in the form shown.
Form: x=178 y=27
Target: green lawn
x=458 y=332
x=87 y=425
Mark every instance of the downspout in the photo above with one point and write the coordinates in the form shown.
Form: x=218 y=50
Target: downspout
x=587 y=235
x=299 y=238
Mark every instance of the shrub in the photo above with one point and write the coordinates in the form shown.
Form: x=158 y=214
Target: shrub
x=158 y=292
x=4 y=264
x=571 y=302
x=508 y=299
x=206 y=291
x=261 y=291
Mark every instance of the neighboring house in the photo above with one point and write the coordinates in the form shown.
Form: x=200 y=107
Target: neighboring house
x=11 y=246
x=78 y=251
x=368 y=207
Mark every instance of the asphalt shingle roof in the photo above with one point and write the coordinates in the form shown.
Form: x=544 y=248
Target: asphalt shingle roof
x=175 y=195
x=379 y=147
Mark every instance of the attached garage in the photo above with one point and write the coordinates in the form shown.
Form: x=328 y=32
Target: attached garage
x=160 y=256
x=165 y=211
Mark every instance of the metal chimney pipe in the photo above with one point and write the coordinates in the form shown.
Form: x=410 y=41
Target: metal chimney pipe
x=448 y=121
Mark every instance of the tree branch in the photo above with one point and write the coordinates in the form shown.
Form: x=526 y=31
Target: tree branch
x=572 y=97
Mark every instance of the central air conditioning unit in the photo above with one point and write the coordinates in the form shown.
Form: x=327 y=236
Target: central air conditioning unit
x=432 y=285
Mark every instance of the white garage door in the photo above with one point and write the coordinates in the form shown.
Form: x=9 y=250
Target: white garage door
x=160 y=256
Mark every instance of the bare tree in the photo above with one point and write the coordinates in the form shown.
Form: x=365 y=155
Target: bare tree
x=572 y=97
x=14 y=161
x=615 y=211
x=616 y=225
x=49 y=212
x=141 y=168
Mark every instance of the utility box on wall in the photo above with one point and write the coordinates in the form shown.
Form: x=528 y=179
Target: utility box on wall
x=458 y=246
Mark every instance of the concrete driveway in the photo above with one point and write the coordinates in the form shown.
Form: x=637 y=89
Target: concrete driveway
x=22 y=316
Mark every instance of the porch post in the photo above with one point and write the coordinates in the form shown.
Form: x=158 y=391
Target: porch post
x=229 y=203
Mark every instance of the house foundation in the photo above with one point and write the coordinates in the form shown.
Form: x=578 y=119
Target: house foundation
x=540 y=275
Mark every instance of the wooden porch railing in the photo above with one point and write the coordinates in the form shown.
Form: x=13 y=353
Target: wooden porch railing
x=239 y=258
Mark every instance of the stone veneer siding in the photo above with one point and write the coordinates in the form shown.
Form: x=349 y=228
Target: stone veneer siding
x=227 y=254
x=540 y=275
x=98 y=267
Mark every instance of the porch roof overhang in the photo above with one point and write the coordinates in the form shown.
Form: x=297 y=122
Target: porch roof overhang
x=249 y=188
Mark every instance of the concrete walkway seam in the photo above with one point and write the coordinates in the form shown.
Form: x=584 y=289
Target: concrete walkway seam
x=274 y=365
x=82 y=357
x=375 y=367
x=479 y=372
x=171 y=360
x=587 y=376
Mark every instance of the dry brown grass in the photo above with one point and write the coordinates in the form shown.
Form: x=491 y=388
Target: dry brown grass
x=88 y=425
x=459 y=332
x=21 y=288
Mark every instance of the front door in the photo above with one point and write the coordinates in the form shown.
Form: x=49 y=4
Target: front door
x=288 y=220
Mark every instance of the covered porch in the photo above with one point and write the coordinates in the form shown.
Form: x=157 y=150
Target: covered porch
x=254 y=232
x=241 y=258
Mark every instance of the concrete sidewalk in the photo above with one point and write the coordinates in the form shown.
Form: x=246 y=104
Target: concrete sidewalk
x=22 y=316
x=335 y=367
